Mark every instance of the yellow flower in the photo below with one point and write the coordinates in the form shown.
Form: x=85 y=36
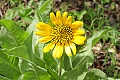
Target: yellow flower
x=62 y=36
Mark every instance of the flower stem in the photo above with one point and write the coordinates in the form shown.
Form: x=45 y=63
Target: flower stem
x=60 y=62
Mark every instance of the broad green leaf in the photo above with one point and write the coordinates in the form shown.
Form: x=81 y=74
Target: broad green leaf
x=28 y=45
x=73 y=74
x=15 y=30
x=27 y=70
x=31 y=71
x=20 y=51
x=6 y=40
x=95 y=74
x=36 y=60
x=41 y=73
x=9 y=66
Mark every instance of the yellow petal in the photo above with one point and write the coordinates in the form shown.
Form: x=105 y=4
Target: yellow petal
x=53 y=18
x=69 y=20
x=45 y=39
x=68 y=51
x=64 y=18
x=79 y=32
x=58 y=16
x=48 y=47
x=77 y=24
x=73 y=47
x=42 y=33
x=79 y=40
x=42 y=26
x=58 y=51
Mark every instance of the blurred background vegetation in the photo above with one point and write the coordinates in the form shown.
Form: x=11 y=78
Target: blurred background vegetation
x=97 y=15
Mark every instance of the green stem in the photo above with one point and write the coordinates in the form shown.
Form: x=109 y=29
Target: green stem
x=60 y=63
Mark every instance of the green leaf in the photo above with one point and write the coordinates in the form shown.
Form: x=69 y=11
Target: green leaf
x=73 y=74
x=44 y=5
x=28 y=72
x=32 y=26
x=87 y=56
x=41 y=73
x=91 y=13
x=28 y=45
x=20 y=51
x=18 y=34
x=95 y=74
x=67 y=63
x=39 y=16
x=47 y=77
x=29 y=75
x=98 y=35
x=105 y=1
x=36 y=60
x=9 y=66
x=52 y=73
x=10 y=14
x=50 y=61
x=6 y=40
x=24 y=12
x=109 y=78
x=31 y=71
x=39 y=50
x=82 y=13
x=51 y=65
x=3 y=78
x=81 y=77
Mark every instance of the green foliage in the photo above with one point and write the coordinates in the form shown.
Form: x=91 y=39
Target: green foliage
x=22 y=58
x=18 y=34
x=94 y=74
x=78 y=14
x=9 y=66
x=74 y=73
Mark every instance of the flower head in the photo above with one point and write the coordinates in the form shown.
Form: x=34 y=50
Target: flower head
x=62 y=36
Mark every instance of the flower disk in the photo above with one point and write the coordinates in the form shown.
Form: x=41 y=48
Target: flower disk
x=62 y=36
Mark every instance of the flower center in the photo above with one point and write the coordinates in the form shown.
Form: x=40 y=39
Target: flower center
x=61 y=35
